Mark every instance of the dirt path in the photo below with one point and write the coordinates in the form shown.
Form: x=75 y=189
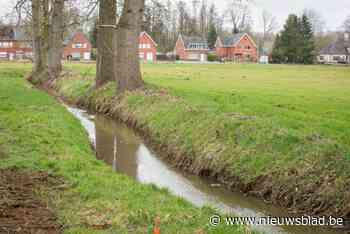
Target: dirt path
x=21 y=211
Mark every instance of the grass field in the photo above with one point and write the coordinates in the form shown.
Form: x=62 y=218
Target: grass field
x=280 y=130
x=281 y=126
x=39 y=134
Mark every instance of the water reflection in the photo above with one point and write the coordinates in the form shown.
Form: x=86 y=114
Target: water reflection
x=120 y=147
x=117 y=146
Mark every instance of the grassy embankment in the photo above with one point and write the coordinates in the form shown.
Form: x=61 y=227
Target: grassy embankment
x=279 y=132
x=38 y=134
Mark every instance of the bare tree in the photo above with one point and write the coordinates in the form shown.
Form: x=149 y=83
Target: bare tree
x=269 y=23
x=317 y=21
x=128 y=64
x=106 y=42
x=56 y=39
x=40 y=36
x=239 y=13
x=37 y=42
x=203 y=19
x=346 y=24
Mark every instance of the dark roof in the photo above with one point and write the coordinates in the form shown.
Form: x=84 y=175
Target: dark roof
x=9 y=32
x=189 y=42
x=68 y=38
x=340 y=47
x=228 y=41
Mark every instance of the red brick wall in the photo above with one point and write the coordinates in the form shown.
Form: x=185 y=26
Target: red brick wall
x=180 y=49
x=145 y=39
x=18 y=48
x=78 y=37
x=240 y=51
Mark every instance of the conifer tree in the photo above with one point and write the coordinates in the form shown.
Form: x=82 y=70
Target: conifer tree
x=308 y=44
x=295 y=44
x=277 y=53
x=212 y=36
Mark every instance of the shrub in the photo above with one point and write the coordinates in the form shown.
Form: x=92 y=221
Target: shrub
x=212 y=57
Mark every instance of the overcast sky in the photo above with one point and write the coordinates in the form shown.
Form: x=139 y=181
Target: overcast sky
x=334 y=12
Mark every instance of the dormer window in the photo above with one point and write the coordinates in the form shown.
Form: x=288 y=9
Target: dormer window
x=198 y=46
x=6 y=44
x=78 y=45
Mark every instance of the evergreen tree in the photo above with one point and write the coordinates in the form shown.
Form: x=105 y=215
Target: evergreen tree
x=212 y=36
x=308 y=43
x=277 y=53
x=295 y=44
x=290 y=39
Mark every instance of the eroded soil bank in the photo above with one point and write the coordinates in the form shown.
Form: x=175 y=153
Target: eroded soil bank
x=305 y=188
x=21 y=209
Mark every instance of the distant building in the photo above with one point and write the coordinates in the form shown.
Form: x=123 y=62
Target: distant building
x=14 y=43
x=192 y=48
x=336 y=52
x=264 y=56
x=238 y=47
x=147 y=48
x=77 y=47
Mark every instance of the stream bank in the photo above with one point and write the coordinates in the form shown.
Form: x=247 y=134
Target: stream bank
x=127 y=153
x=192 y=139
x=38 y=135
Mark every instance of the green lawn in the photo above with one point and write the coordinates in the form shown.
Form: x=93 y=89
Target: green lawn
x=278 y=129
x=289 y=125
x=39 y=134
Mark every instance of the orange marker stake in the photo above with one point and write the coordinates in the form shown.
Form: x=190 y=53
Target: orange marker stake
x=156 y=229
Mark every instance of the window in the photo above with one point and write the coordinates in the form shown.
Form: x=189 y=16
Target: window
x=198 y=46
x=148 y=46
x=141 y=55
x=3 y=54
x=77 y=45
x=6 y=44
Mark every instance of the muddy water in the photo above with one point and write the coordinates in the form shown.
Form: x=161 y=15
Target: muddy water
x=126 y=152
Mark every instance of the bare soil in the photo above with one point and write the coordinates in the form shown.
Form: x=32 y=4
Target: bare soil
x=21 y=209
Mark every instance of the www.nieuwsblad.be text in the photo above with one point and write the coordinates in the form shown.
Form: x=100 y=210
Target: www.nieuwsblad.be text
x=216 y=220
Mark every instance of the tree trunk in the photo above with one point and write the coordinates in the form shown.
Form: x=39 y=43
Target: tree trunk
x=45 y=31
x=40 y=27
x=38 y=62
x=56 y=39
x=106 y=42
x=129 y=27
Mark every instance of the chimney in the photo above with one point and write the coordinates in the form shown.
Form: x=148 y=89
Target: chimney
x=346 y=36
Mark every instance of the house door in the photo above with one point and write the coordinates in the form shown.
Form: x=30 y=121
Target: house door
x=11 y=56
x=203 y=57
x=150 y=56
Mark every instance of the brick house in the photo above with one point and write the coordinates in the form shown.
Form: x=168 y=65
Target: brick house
x=14 y=43
x=77 y=47
x=238 y=47
x=147 y=48
x=191 y=48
